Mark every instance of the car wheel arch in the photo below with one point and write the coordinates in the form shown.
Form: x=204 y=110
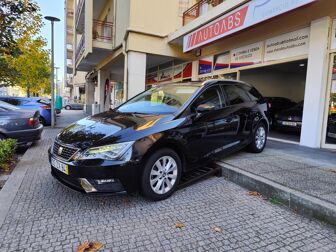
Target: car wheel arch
x=170 y=145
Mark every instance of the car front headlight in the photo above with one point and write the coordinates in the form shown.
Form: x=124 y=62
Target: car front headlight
x=109 y=152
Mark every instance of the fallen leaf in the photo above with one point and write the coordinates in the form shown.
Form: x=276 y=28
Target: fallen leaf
x=254 y=193
x=218 y=229
x=89 y=247
x=179 y=225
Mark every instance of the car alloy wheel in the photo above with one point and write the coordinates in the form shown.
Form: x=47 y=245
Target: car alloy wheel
x=67 y=107
x=163 y=175
x=260 y=137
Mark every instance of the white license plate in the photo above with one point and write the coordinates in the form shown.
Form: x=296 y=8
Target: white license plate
x=294 y=124
x=60 y=166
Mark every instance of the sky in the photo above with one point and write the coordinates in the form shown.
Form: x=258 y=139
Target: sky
x=54 y=8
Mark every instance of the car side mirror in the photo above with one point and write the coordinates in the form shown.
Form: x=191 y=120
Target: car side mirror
x=204 y=108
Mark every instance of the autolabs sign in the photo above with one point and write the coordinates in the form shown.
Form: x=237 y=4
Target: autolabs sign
x=252 y=13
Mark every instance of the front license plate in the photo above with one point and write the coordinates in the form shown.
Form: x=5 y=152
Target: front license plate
x=60 y=166
x=289 y=124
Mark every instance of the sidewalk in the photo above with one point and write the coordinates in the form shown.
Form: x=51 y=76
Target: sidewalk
x=303 y=178
x=217 y=215
x=32 y=158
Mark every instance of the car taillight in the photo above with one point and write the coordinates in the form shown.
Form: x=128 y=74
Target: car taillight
x=45 y=107
x=32 y=122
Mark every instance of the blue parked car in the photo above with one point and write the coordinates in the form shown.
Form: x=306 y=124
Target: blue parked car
x=43 y=105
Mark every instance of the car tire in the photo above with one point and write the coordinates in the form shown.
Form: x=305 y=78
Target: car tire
x=67 y=107
x=259 y=139
x=158 y=182
x=42 y=121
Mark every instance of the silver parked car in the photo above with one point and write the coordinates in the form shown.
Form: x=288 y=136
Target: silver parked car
x=20 y=124
x=74 y=106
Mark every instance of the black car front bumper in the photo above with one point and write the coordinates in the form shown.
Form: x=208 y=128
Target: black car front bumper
x=107 y=177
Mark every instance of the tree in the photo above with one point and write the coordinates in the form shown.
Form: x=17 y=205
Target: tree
x=17 y=18
x=23 y=59
x=31 y=66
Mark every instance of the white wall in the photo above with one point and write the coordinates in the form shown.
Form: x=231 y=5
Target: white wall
x=271 y=82
x=136 y=73
x=315 y=96
x=121 y=20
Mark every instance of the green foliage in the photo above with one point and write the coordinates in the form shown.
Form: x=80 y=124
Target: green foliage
x=274 y=200
x=23 y=60
x=7 y=151
x=17 y=18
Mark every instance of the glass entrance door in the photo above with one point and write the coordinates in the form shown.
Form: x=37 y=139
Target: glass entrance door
x=330 y=125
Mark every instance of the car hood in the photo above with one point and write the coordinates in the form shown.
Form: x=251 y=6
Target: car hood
x=112 y=127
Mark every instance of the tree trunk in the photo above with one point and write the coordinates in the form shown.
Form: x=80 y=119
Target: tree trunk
x=28 y=92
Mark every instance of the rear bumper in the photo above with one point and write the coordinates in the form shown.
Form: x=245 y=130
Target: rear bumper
x=279 y=124
x=26 y=136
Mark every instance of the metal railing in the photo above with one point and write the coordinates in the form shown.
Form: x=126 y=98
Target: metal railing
x=102 y=31
x=79 y=8
x=198 y=9
x=80 y=48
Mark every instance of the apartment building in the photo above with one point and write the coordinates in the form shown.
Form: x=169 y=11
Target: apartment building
x=285 y=48
x=74 y=80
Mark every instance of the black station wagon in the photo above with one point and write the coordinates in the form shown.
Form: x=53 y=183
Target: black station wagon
x=151 y=140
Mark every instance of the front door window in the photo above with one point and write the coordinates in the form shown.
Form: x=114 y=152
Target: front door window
x=331 y=124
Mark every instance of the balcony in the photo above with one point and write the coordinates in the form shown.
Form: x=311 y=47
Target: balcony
x=198 y=9
x=69 y=51
x=80 y=19
x=80 y=48
x=102 y=31
x=70 y=13
x=69 y=65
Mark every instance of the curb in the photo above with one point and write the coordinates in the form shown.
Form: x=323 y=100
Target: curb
x=299 y=202
x=11 y=187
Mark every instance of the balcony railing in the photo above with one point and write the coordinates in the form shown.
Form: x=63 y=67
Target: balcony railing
x=79 y=8
x=198 y=9
x=102 y=31
x=80 y=48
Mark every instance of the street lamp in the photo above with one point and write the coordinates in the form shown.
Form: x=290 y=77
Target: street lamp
x=52 y=20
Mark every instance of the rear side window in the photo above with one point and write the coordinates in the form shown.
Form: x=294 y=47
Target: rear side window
x=22 y=102
x=44 y=101
x=236 y=95
x=13 y=101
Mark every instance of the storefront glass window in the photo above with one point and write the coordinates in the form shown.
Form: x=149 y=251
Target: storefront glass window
x=228 y=76
x=331 y=124
x=119 y=93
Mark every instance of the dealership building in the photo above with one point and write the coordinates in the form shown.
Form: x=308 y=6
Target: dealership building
x=285 y=48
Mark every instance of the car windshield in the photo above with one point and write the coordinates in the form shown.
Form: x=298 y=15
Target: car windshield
x=163 y=99
x=7 y=106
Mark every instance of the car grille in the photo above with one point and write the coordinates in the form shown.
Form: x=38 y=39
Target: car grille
x=63 y=151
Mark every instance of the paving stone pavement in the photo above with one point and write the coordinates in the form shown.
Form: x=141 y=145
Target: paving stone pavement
x=45 y=216
x=307 y=170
